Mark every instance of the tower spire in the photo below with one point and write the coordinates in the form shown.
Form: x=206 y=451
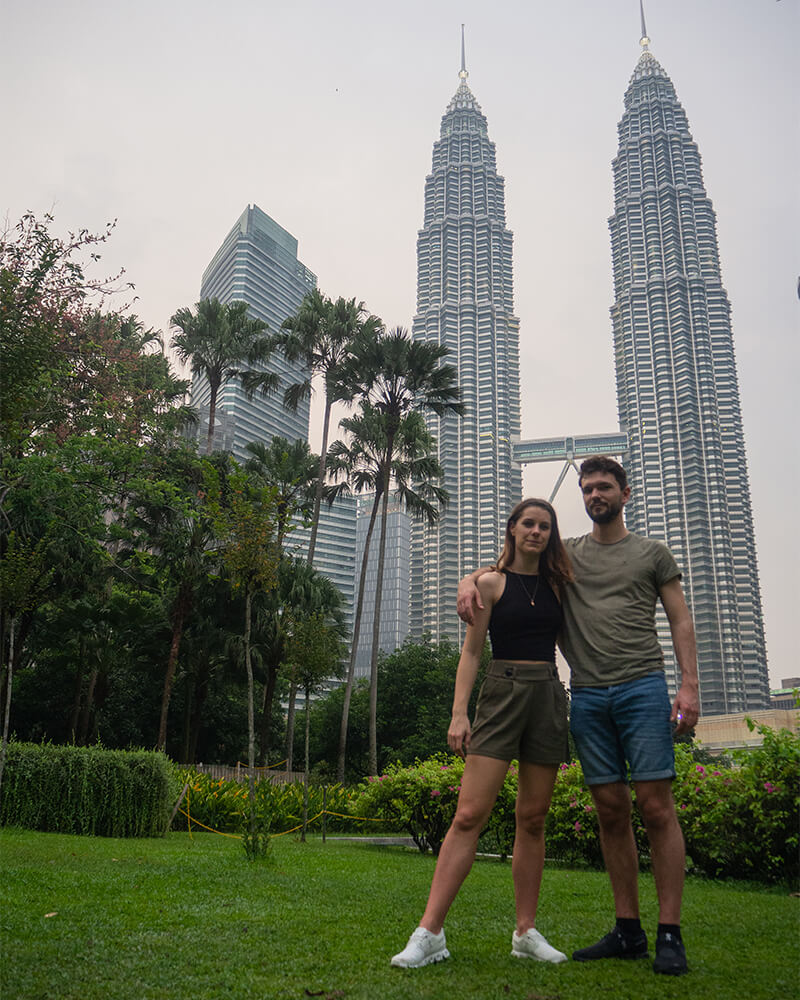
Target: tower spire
x=644 y=41
x=463 y=74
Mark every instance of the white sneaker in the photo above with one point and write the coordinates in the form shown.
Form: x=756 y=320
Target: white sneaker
x=532 y=944
x=423 y=948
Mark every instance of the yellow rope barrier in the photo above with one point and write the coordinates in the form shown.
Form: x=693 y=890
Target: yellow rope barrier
x=236 y=836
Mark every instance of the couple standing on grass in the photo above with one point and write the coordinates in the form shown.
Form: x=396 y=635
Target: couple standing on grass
x=597 y=595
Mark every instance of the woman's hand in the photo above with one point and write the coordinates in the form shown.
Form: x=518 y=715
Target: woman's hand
x=459 y=735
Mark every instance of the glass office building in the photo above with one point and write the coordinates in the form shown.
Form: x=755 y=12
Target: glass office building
x=677 y=389
x=257 y=264
x=465 y=302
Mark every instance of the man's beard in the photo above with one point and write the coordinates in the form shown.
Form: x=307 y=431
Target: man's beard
x=604 y=514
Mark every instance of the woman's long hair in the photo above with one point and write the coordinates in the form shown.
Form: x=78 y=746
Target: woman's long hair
x=554 y=564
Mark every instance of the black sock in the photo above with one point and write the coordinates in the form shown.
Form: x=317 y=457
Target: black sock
x=673 y=929
x=629 y=925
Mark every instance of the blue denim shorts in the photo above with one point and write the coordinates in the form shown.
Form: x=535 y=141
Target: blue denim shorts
x=621 y=727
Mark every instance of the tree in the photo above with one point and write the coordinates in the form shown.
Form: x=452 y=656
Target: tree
x=291 y=471
x=410 y=474
x=245 y=523
x=321 y=335
x=309 y=593
x=314 y=651
x=216 y=340
x=43 y=288
x=398 y=375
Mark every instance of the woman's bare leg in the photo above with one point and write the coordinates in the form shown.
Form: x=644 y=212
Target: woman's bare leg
x=536 y=782
x=481 y=781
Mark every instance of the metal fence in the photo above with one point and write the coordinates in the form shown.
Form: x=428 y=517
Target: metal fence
x=241 y=772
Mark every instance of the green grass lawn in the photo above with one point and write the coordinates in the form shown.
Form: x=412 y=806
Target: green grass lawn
x=192 y=919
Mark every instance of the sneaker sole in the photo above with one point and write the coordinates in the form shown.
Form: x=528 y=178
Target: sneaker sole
x=536 y=958
x=440 y=956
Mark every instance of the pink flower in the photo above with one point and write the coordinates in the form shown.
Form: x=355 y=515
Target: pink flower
x=588 y=809
x=563 y=767
x=683 y=806
x=770 y=788
x=717 y=773
x=435 y=792
x=700 y=769
x=577 y=827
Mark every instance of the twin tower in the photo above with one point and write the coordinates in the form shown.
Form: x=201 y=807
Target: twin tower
x=677 y=390
x=680 y=435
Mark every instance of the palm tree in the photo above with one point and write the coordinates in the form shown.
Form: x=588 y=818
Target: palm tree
x=397 y=375
x=410 y=477
x=291 y=470
x=309 y=593
x=321 y=335
x=216 y=340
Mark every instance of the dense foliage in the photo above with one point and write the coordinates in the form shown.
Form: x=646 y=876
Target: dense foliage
x=87 y=790
x=739 y=816
x=223 y=806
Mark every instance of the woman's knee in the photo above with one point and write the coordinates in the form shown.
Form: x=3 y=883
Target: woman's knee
x=531 y=820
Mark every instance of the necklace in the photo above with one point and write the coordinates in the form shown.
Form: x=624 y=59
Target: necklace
x=531 y=596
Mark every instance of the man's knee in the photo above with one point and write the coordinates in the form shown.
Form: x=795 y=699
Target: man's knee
x=656 y=804
x=613 y=805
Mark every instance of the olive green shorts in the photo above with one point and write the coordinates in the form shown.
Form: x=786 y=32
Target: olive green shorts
x=521 y=714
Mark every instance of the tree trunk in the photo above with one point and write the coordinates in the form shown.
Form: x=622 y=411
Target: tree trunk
x=182 y=604
x=351 y=669
x=86 y=711
x=290 y=722
x=266 y=712
x=7 y=709
x=212 y=412
x=76 y=702
x=305 y=769
x=312 y=542
x=195 y=723
x=251 y=726
x=376 y=626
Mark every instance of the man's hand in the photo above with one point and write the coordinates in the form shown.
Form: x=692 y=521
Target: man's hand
x=686 y=709
x=468 y=600
x=459 y=735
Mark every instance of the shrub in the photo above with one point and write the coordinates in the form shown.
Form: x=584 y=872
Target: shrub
x=87 y=790
x=223 y=805
x=742 y=821
x=420 y=799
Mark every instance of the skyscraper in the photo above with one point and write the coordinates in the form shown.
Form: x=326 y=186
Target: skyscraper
x=465 y=302
x=677 y=388
x=257 y=264
x=396 y=578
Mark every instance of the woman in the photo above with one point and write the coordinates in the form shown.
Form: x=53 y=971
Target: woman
x=521 y=715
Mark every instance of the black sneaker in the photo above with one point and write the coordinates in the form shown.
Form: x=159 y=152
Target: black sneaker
x=670 y=955
x=615 y=945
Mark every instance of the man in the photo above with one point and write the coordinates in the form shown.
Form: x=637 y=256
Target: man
x=620 y=713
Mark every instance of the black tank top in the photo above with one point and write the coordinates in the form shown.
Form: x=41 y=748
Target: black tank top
x=519 y=631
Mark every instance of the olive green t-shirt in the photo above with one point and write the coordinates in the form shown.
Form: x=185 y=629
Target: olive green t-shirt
x=609 y=632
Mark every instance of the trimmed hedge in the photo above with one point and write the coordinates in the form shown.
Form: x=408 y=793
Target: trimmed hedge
x=87 y=790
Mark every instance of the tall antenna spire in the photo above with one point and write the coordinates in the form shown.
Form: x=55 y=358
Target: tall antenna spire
x=644 y=41
x=463 y=74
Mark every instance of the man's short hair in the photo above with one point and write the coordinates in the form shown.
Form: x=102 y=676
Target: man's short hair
x=602 y=463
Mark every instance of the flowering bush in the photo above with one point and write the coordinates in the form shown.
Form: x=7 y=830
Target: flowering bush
x=742 y=820
x=420 y=799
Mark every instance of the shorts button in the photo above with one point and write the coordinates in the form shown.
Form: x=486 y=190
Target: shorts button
x=509 y=673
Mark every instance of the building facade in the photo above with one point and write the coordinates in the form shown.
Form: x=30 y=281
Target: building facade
x=257 y=264
x=393 y=628
x=677 y=389
x=465 y=302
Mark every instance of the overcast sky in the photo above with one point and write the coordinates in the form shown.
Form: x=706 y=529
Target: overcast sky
x=172 y=116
